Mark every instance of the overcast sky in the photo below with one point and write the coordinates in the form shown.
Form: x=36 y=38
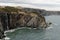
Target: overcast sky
x=54 y=4
x=32 y=1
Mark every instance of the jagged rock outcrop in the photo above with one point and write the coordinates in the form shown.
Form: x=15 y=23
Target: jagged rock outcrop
x=3 y=24
x=11 y=18
x=27 y=20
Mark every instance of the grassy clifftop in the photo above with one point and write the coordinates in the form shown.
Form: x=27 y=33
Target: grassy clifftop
x=20 y=9
x=28 y=10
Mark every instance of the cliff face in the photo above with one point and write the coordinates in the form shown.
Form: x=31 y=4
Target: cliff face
x=3 y=24
x=11 y=18
x=27 y=19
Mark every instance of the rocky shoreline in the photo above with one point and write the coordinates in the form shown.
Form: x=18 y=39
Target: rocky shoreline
x=11 y=17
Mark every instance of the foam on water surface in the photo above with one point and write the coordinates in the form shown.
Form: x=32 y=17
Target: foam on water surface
x=7 y=38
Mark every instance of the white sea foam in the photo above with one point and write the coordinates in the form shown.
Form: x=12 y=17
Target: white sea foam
x=49 y=27
x=10 y=30
x=7 y=38
x=32 y=28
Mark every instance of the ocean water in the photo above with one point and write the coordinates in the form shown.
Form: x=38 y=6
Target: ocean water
x=50 y=33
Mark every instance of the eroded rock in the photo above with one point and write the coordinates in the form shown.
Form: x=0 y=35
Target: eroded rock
x=11 y=18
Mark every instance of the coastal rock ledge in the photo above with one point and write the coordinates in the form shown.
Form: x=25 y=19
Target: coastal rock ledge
x=13 y=17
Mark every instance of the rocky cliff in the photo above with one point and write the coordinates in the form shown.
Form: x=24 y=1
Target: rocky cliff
x=12 y=17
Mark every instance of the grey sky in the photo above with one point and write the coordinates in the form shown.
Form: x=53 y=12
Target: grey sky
x=14 y=1
x=32 y=1
x=46 y=4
